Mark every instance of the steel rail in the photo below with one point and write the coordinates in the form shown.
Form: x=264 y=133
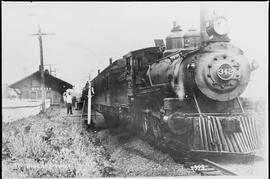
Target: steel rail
x=213 y=168
x=220 y=167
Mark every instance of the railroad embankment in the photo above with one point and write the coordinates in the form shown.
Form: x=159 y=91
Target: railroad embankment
x=48 y=145
x=55 y=145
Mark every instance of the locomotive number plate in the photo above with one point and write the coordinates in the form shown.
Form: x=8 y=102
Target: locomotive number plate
x=225 y=71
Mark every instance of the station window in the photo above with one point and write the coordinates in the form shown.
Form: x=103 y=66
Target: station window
x=48 y=94
x=39 y=95
x=33 y=95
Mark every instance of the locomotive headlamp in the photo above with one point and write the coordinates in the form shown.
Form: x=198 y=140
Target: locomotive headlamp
x=219 y=26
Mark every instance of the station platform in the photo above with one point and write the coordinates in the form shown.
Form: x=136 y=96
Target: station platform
x=97 y=118
x=75 y=113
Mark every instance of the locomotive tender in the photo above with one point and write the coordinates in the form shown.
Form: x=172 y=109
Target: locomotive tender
x=187 y=96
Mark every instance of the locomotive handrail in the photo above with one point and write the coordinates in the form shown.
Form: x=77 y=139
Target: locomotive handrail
x=149 y=75
x=197 y=104
x=157 y=85
x=154 y=86
x=177 y=52
x=240 y=104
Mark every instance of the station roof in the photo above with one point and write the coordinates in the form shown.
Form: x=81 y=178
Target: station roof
x=49 y=78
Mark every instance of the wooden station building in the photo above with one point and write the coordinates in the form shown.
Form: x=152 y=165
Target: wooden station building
x=30 y=87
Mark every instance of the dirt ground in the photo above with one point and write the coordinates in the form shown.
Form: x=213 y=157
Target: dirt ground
x=53 y=145
x=133 y=157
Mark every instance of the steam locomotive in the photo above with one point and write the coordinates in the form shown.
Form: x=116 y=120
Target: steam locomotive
x=185 y=95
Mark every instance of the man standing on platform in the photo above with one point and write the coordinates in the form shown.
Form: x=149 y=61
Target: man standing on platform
x=69 y=103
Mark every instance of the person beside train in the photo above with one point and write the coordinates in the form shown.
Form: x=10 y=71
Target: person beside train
x=69 y=102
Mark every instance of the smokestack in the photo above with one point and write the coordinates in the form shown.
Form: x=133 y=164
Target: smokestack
x=110 y=61
x=204 y=17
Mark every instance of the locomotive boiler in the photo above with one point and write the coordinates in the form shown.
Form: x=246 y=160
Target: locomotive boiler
x=186 y=96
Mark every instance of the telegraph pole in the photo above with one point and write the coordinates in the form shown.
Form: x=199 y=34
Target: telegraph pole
x=39 y=34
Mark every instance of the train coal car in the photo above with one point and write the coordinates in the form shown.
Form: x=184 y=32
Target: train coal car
x=186 y=97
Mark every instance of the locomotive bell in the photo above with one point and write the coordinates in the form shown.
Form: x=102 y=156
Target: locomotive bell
x=222 y=76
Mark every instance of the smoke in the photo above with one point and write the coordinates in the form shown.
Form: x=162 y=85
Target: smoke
x=179 y=90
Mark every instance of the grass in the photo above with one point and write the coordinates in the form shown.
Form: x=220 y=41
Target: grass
x=48 y=145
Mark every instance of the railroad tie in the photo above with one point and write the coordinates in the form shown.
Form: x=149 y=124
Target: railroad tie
x=212 y=173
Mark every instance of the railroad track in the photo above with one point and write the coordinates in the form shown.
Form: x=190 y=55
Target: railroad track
x=207 y=167
x=204 y=167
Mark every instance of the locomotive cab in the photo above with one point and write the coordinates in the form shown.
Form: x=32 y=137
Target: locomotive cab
x=137 y=63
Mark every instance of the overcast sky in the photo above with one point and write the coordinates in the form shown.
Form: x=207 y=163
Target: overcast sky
x=87 y=34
